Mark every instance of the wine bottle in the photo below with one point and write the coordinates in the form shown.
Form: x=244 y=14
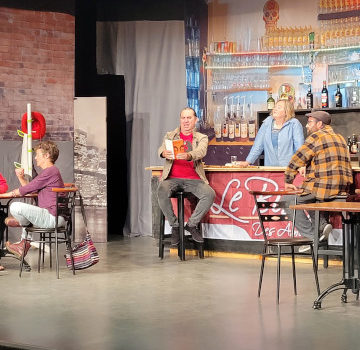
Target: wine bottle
x=309 y=99
x=354 y=147
x=338 y=97
x=270 y=102
x=349 y=144
x=324 y=96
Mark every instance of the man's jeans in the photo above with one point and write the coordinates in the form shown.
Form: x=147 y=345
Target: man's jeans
x=302 y=223
x=27 y=214
x=198 y=188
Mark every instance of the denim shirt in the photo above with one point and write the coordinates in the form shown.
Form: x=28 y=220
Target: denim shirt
x=290 y=138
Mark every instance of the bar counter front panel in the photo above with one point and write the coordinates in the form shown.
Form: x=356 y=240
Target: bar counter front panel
x=232 y=223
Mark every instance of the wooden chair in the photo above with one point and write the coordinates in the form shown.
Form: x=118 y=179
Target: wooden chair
x=270 y=206
x=65 y=203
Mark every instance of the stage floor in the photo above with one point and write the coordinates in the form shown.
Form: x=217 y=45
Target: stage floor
x=133 y=300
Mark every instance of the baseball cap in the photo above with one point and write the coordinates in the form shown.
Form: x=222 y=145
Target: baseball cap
x=322 y=116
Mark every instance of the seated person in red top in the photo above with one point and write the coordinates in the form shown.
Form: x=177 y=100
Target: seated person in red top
x=3 y=189
x=42 y=215
x=185 y=173
x=3 y=184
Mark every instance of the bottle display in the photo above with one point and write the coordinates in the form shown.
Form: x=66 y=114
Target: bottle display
x=270 y=102
x=338 y=97
x=324 y=96
x=309 y=99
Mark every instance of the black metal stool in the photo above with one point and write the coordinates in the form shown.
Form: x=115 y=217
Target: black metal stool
x=180 y=196
x=325 y=251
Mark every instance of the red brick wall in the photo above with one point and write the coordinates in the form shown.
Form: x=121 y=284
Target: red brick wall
x=37 y=63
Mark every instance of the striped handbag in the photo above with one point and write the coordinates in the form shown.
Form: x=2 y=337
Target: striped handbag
x=84 y=253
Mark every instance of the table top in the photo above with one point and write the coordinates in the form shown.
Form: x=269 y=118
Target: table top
x=31 y=195
x=329 y=206
x=253 y=168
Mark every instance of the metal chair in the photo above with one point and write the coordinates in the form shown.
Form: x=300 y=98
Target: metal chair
x=270 y=206
x=65 y=203
x=165 y=239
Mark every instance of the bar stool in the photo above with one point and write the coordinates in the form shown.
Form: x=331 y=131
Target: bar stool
x=325 y=251
x=164 y=239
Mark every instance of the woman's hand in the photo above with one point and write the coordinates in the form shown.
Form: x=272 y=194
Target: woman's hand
x=20 y=172
x=243 y=164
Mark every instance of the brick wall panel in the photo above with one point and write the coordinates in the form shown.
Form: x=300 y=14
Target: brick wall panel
x=37 y=66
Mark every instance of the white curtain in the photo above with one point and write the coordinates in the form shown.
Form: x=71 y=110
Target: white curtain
x=150 y=55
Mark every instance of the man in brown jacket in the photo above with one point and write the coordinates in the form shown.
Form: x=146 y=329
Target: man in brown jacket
x=186 y=173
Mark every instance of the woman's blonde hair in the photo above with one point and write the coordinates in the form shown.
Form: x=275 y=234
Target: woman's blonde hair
x=289 y=109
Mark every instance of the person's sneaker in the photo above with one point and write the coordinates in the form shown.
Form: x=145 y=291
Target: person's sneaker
x=18 y=248
x=37 y=246
x=304 y=248
x=195 y=233
x=175 y=236
x=325 y=232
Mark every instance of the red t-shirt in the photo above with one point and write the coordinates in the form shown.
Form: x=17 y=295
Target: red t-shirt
x=184 y=169
x=3 y=184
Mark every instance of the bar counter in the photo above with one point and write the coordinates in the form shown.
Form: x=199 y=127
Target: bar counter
x=232 y=224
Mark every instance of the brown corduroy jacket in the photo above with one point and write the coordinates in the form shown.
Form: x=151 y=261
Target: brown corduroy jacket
x=199 y=149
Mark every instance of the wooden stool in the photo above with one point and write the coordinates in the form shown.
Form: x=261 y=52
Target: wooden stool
x=180 y=196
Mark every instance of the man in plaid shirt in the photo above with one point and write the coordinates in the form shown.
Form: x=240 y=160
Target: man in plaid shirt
x=324 y=161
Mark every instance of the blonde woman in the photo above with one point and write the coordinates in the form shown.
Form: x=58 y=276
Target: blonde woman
x=279 y=136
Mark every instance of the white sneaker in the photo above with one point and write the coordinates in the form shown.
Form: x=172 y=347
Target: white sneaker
x=37 y=246
x=325 y=233
x=304 y=248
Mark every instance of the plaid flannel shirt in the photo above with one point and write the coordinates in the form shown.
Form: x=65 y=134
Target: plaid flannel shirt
x=327 y=160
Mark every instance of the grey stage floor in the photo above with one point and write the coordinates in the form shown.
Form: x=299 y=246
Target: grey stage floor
x=132 y=300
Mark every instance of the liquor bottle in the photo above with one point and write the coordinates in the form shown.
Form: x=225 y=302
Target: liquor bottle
x=231 y=129
x=349 y=143
x=354 y=147
x=243 y=128
x=270 y=102
x=237 y=122
x=309 y=99
x=218 y=124
x=324 y=96
x=338 y=97
x=225 y=130
x=252 y=125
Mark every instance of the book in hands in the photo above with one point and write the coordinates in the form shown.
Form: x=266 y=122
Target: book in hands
x=175 y=146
